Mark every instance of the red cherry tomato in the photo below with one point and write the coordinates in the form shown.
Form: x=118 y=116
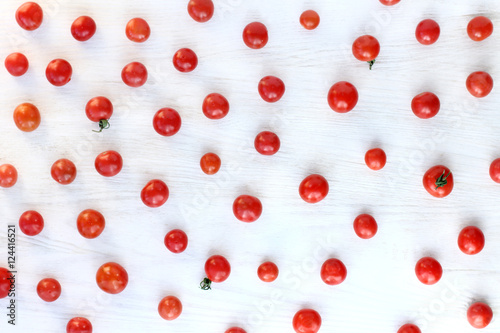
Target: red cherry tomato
x=58 y=72
x=247 y=208
x=215 y=106
x=4 y=282
x=389 y=2
x=271 y=89
x=255 y=35
x=495 y=170
x=210 y=163
x=83 y=28
x=428 y=270
x=306 y=321
x=63 y=171
x=268 y=271
x=185 y=60
x=170 y=308
x=155 y=193
x=27 y=117
x=48 y=289
x=471 y=240
x=79 y=325
x=365 y=226
x=342 y=97
x=309 y=19
x=479 y=315
x=479 y=28
x=137 y=30
x=201 y=10
x=409 y=328
x=99 y=108
x=16 y=64
x=438 y=181
x=425 y=105
x=90 y=223
x=313 y=188
x=8 y=175
x=267 y=143
x=108 y=163
x=31 y=223
x=112 y=278
x=479 y=84
x=29 y=16
x=375 y=158
x=134 y=74
x=167 y=122
x=176 y=241
x=427 y=32
x=217 y=269
x=366 y=48
x=333 y=272
x=235 y=330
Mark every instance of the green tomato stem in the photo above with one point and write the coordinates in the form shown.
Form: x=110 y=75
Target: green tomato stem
x=441 y=181
x=103 y=124
x=205 y=284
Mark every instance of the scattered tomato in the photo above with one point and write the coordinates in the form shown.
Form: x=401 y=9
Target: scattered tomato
x=366 y=48
x=427 y=32
x=29 y=16
x=201 y=10
x=185 y=60
x=479 y=315
x=8 y=175
x=479 y=84
x=267 y=143
x=428 y=270
x=167 y=122
x=170 y=308
x=235 y=330
x=365 y=226
x=137 y=30
x=409 y=328
x=495 y=170
x=5 y=283
x=99 y=109
x=108 y=163
x=313 y=188
x=217 y=269
x=271 y=89
x=63 y=171
x=342 y=97
x=83 y=28
x=79 y=325
x=247 y=208
x=215 y=106
x=134 y=74
x=176 y=241
x=16 y=64
x=49 y=289
x=31 y=223
x=210 y=163
x=112 y=278
x=333 y=272
x=90 y=223
x=27 y=117
x=268 y=271
x=155 y=193
x=255 y=35
x=479 y=28
x=59 y=72
x=306 y=321
x=425 y=105
x=471 y=240
x=309 y=19
x=375 y=158
x=438 y=181
x=389 y=2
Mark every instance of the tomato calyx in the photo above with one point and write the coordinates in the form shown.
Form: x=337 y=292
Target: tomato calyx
x=441 y=181
x=370 y=63
x=206 y=284
x=103 y=124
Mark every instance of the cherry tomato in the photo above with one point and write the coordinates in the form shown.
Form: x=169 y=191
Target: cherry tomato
x=409 y=328
x=247 y=208
x=4 y=282
x=90 y=223
x=375 y=158
x=425 y=105
x=267 y=143
x=29 y=16
x=137 y=30
x=427 y=32
x=313 y=188
x=8 y=175
x=16 y=64
x=31 y=223
x=79 y=325
x=495 y=170
x=428 y=270
x=215 y=106
x=49 y=289
x=306 y=321
x=438 y=181
x=134 y=74
x=99 y=109
x=83 y=28
x=235 y=330
x=27 y=117
x=479 y=315
x=217 y=269
x=112 y=278
x=479 y=28
x=58 y=72
x=268 y=271
x=342 y=97
x=255 y=35
x=309 y=19
x=201 y=10
x=185 y=60
x=210 y=163
x=63 y=171
x=155 y=193
x=170 y=308
x=365 y=226
x=167 y=122
x=366 y=48
x=108 y=163
x=176 y=241
x=271 y=89
x=479 y=84
x=333 y=272
x=389 y=2
x=471 y=240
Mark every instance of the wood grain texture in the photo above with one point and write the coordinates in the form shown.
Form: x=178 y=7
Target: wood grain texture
x=381 y=291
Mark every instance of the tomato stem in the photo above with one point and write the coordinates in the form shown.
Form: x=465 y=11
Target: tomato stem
x=103 y=124
x=371 y=62
x=441 y=181
x=205 y=284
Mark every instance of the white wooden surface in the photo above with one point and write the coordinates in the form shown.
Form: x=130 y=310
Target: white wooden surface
x=381 y=291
